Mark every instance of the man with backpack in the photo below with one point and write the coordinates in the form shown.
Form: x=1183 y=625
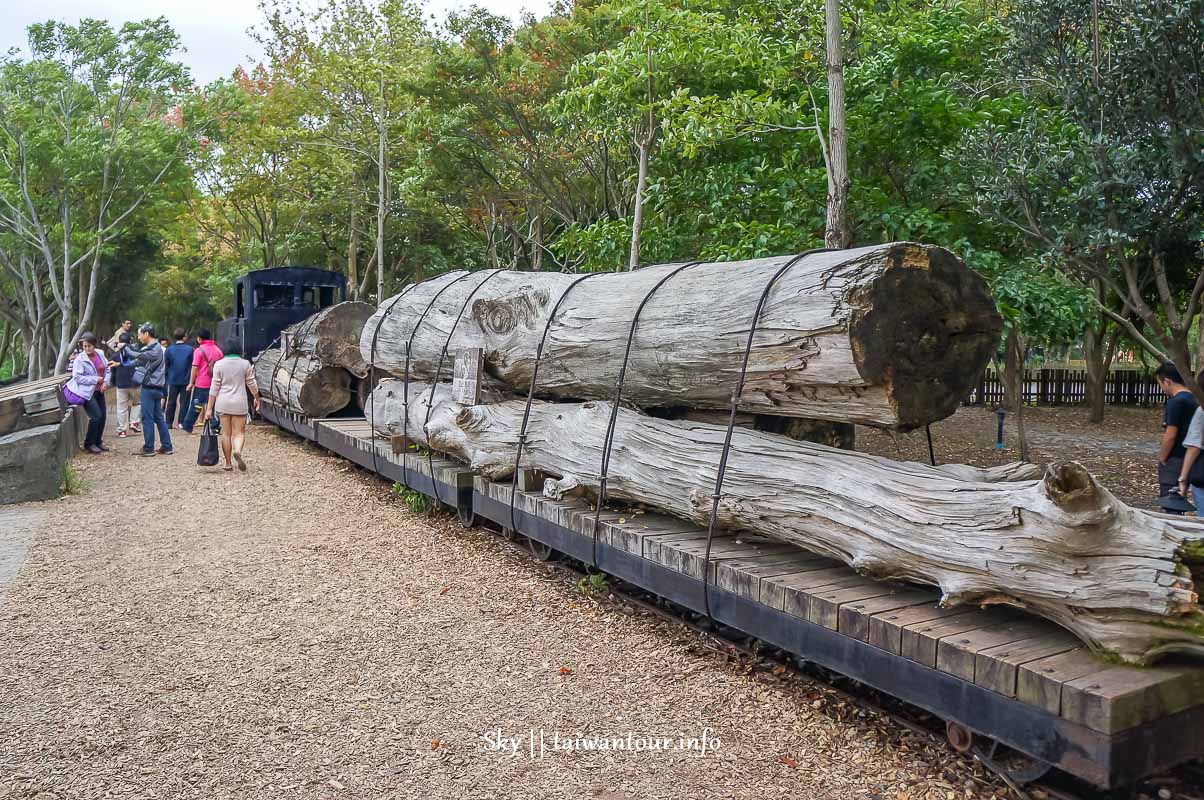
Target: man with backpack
x=207 y=354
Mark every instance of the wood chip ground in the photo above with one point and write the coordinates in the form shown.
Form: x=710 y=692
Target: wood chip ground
x=295 y=632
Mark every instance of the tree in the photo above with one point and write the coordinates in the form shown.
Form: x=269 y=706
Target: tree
x=1105 y=176
x=837 y=233
x=94 y=134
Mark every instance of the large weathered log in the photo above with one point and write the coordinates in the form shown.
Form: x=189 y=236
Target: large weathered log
x=302 y=383
x=332 y=335
x=893 y=335
x=1061 y=547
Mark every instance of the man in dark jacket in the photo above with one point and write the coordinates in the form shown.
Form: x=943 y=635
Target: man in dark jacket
x=179 y=367
x=152 y=372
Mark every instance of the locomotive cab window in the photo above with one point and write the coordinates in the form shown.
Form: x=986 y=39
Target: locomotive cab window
x=270 y=295
x=317 y=296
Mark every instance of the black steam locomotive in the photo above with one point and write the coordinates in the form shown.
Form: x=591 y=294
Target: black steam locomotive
x=268 y=300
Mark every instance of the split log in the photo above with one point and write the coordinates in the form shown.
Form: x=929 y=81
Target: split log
x=332 y=335
x=302 y=383
x=893 y=335
x=1061 y=547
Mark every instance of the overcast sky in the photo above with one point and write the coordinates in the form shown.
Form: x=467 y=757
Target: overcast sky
x=214 y=31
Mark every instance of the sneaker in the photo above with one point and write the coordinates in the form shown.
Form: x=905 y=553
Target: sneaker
x=179 y=427
x=102 y=447
x=144 y=452
x=242 y=465
x=93 y=449
x=136 y=427
x=164 y=452
x=122 y=434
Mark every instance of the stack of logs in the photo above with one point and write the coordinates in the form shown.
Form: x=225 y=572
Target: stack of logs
x=892 y=336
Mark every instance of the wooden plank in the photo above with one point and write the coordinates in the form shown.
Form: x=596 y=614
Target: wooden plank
x=689 y=554
x=886 y=628
x=855 y=617
x=1118 y=698
x=957 y=652
x=779 y=589
x=742 y=576
x=824 y=604
x=997 y=668
x=919 y=641
x=1039 y=682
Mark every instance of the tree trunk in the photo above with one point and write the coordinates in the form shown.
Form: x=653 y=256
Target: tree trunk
x=838 y=233
x=1016 y=379
x=380 y=198
x=1061 y=547
x=302 y=383
x=1095 y=354
x=332 y=336
x=353 y=252
x=893 y=335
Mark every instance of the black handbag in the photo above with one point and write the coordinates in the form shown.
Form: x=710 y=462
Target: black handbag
x=207 y=454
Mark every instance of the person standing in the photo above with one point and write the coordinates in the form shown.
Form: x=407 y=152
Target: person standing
x=233 y=377
x=1191 y=474
x=207 y=354
x=1180 y=407
x=179 y=369
x=124 y=369
x=126 y=327
x=86 y=388
x=152 y=373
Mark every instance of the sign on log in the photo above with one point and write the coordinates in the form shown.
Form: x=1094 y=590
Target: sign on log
x=466 y=376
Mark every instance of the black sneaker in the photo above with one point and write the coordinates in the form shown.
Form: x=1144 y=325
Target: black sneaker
x=103 y=449
x=93 y=449
x=164 y=451
x=144 y=452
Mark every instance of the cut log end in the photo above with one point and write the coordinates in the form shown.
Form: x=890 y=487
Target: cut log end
x=924 y=330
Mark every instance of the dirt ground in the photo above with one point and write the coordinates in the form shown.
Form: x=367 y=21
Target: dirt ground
x=295 y=632
x=1122 y=452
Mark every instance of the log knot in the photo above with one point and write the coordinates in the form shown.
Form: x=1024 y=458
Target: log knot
x=505 y=315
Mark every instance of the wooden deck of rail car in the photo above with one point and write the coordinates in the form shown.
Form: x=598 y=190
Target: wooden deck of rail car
x=1002 y=674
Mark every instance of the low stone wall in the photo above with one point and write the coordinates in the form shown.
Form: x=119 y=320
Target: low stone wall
x=31 y=460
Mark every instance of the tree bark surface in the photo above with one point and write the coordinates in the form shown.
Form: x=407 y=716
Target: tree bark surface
x=893 y=335
x=1061 y=546
x=302 y=383
x=332 y=335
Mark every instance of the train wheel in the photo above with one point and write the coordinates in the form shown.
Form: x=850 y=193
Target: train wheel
x=468 y=518
x=508 y=533
x=541 y=551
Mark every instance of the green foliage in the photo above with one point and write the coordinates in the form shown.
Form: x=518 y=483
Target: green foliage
x=73 y=482
x=593 y=583
x=415 y=501
x=1095 y=157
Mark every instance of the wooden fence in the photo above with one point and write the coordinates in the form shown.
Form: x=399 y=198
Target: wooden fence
x=1054 y=387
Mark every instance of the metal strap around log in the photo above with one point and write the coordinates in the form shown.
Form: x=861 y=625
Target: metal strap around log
x=931 y=450
x=372 y=382
x=278 y=342
x=609 y=438
x=731 y=423
x=293 y=369
x=522 y=434
x=405 y=388
x=430 y=458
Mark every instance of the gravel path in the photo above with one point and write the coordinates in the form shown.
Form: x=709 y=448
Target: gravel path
x=296 y=633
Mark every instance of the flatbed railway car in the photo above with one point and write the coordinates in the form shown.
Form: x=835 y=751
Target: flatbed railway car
x=1002 y=681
